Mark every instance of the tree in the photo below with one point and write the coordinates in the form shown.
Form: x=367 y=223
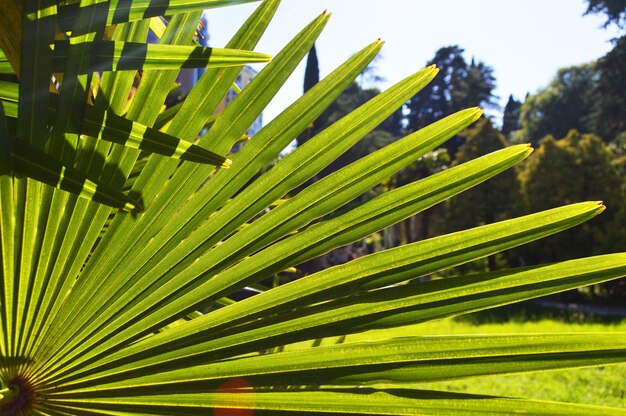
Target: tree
x=311 y=78
x=618 y=150
x=511 y=117
x=615 y=11
x=609 y=111
x=565 y=104
x=119 y=303
x=476 y=89
x=312 y=70
x=575 y=168
x=457 y=86
x=494 y=200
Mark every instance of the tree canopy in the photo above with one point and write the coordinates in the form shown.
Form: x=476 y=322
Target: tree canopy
x=609 y=112
x=575 y=168
x=615 y=11
x=565 y=104
x=458 y=85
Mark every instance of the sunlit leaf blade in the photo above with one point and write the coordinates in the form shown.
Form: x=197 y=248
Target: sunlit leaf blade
x=400 y=360
x=9 y=108
x=9 y=91
x=397 y=205
x=34 y=163
x=357 y=401
x=7 y=227
x=39 y=29
x=5 y=67
x=116 y=129
x=166 y=116
x=120 y=56
x=75 y=89
x=126 y=11
x=55 y=166
x=9 y=96
x=66 y=253
x=152 y=90
x=202 y=100
x=110 y=127
x=11 y=33
x=37 y=32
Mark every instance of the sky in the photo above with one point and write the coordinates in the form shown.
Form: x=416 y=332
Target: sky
x=524 y=41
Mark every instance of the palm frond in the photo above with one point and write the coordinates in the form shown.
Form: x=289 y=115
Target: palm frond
x=108 y=312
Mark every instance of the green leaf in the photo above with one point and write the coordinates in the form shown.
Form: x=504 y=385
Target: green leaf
x=401 y=360
x=9 y=95
x=116 y=129
x=121 y=56
x=32 y=162
x=5 y=65
x=125 y=11
x=110 y=127
x=357 y=401
x=392 y=306
x=39 y=28
x=232 y=123
x=365 y=122
x=64 y=254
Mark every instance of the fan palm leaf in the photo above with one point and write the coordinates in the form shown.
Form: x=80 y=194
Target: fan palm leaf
x=124 y=238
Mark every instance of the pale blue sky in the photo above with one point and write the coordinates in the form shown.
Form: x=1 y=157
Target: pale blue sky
x=525 y=41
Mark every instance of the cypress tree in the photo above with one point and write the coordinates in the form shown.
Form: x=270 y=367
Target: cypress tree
x=311 y=77
x=511 y=117
x=312 y=71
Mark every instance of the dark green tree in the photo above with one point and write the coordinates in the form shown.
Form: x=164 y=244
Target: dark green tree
x=563 y=105
x=476 y=89
x=436 y=99
x=495 y=200
x=615 y=11
x=511 y=117
x=609 y=115
x=459 y=85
